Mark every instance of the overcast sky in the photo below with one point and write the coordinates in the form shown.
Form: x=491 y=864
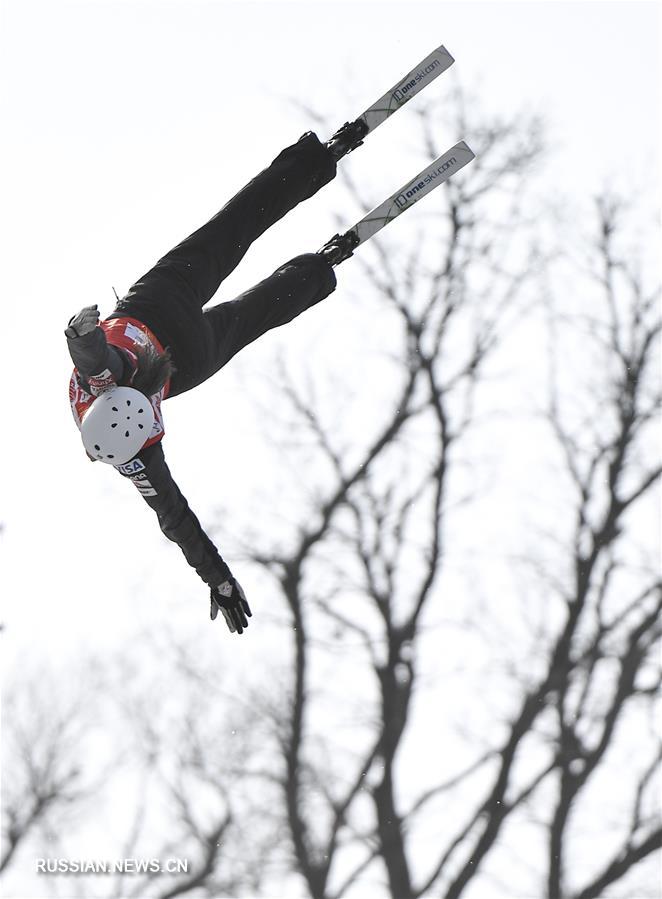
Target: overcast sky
x=126 y=125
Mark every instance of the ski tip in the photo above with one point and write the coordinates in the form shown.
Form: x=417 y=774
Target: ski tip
x=442 y=49
x=464 y=146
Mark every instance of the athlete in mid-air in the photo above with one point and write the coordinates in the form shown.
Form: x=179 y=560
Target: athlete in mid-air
x=160 y=342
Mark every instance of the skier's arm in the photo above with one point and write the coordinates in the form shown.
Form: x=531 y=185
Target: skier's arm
x=99 y=364
x=151 y=476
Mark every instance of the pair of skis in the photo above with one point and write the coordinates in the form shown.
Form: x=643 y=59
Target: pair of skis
x=432 y=175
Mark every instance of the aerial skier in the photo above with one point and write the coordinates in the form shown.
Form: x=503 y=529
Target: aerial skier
x=160 y=341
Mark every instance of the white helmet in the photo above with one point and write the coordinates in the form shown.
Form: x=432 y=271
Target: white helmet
x=117 y=424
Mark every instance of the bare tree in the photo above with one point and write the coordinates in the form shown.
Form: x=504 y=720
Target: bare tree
x=159 y=743
x=194 y=753
x=366 y=561
x=365 y=567
x=604 y=672
x=45 y=777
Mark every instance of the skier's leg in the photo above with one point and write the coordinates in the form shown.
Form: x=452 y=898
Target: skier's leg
x=294 y=287
x=168 y=299
x=200 y=262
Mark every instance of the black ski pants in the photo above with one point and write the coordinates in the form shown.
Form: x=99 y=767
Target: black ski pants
x=169 y=299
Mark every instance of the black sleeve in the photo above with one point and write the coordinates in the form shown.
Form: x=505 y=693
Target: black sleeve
x=151 y=475
x=93 y=356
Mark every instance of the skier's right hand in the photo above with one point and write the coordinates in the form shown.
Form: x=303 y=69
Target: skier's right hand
x=84 y=322
x=230 y=598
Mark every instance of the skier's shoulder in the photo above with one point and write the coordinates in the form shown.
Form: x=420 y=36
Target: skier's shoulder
x=149 y=474
x=129 y=333
x=150 y=457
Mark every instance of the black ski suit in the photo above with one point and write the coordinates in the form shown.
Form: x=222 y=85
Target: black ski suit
x=169 y=300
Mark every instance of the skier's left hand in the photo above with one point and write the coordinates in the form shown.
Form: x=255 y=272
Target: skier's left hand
x=231 y=600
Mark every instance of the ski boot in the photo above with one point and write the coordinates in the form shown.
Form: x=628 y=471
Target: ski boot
x=347 y=138
x=340 y=247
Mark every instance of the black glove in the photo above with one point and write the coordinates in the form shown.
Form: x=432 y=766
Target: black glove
x=231 y=600
x=86 y=321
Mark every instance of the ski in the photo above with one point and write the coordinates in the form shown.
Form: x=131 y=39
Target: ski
x=432 y=176
x=413 y=82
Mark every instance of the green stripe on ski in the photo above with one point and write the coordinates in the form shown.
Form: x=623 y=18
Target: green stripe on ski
x=432 y=176
x=426 y=71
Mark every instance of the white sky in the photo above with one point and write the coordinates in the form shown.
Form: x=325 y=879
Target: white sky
x=126 y=125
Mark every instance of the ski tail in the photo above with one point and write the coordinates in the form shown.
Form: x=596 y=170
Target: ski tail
x=425 y=72
x=432 y=176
